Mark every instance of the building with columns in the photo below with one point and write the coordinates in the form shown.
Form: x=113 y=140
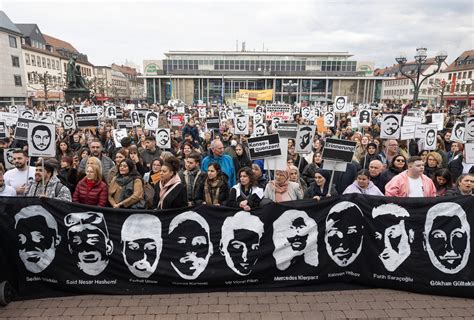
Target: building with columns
x=214 y=76
x=459 y=80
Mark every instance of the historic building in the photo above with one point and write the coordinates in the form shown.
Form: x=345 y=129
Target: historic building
x=12 y=68
x=214 y=76
x=459 y=80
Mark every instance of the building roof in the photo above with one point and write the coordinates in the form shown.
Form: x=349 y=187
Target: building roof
x=59 y=44
x=124 y=69
x=464 y=62
x=259 y=53
x=7 y=25
x=38 y=50
x=27 y=28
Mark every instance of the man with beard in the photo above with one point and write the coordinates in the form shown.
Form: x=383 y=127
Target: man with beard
x=189 y=235
x=41 y=137
x=391 y=125
x=240 y=242
x=260 y=130
x=241 y=124
x=38 y=237
x=142 y=244
x=295 y=234
x=163 y=138
x=88 y=240
x=305 y=137
x=306 y=112
x=21 y=177
x=430 y=139
x=340 y=103
x=150 y=152
x=68 y=121
x=447 y=237
x=258 y=118
x=96 y=151
x=6 y=191
x=392 y=235
x=344 y=233
x=47 y=183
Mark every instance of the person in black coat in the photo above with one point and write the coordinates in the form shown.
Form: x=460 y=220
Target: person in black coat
x=245 y=194
x=215 y=189
x=170 y=192
x=456 y=167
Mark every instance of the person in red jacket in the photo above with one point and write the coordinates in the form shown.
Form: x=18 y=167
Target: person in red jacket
x=91 y=189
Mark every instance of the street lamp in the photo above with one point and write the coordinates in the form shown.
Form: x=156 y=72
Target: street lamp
x=420 y=60
x=290 y=87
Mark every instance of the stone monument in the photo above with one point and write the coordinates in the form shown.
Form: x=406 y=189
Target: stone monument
x=76 y=84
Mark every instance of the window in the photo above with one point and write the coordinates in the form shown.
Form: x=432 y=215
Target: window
x=469 y=76
x=12 y=41
x=27 y=58
x=44 y=62
x=17 y=80
x=15 y=61
x=33 y=60
x=49 y=63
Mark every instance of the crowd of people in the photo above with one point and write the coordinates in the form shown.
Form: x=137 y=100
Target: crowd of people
x=214 y=167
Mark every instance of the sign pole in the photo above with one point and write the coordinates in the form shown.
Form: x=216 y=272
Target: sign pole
x=331 y=181
x=42 y=175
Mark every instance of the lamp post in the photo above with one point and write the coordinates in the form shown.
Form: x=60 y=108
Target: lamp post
x=290 y=87
x=420 y=60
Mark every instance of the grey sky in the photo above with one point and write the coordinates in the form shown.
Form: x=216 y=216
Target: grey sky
x=371 y=30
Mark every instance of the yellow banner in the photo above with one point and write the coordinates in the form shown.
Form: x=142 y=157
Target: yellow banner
x=261 y=94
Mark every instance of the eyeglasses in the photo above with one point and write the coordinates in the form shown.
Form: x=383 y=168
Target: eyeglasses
x=400 y=160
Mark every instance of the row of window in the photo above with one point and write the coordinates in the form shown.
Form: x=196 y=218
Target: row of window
x=401 y=92
x=53 y=80
x=41 y=62
x=84 y=71
x=401 y=82
x=461 y=75
x=259 y=65
x=119 y=83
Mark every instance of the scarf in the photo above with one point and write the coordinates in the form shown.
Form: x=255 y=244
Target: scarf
x=90 y=184
x=167 y=187
x=281 y=189
x=123 y=180
x=212 y=190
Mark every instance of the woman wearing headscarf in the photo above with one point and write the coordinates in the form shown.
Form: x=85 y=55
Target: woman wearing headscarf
x=295 y=177
x=320 y=188
x=241 y=159
x=215 y=189
x=282 y=189
x=259 y=176
x=370 y=154
x=245 y=194
x=310 y=169
x=126 y=188
x=170 y=192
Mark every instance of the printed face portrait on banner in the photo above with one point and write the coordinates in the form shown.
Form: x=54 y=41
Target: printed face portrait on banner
x=295 y=234
x=364 y=117
x=88 y=241
x=118 y=135
x=241 y=124
x=457 y=134
x=135 y=117
x=8 y=158
x=38 y=237
x=240 y=242
x=189 y=235
x=27 y=115
x=229 y=113
x=304 y=139
x=340 y=104
x=430 y=139
x=100 y=111
x=163 y=139
x=260 y=130
x=13 y=109
x=258 y=118
x=202 y=113
x=41 y=137
x=329 y=119
x=222 y=116
x=60 y=111
x=306 y=112
x=260 y=109
x=151 y=121
x=447 y=237
x=344 y=233
x=275 y=123
x=392 y=236
x=186 y=118
x=68 y=121
x=142 y=244
x=390 y=128
x=111 y=112
x=469 y=129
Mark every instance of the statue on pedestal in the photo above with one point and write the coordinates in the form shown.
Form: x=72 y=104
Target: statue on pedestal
x=73 y=75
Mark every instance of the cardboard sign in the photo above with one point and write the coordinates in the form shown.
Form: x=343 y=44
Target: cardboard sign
x=279 y=111
x=339 y=150
x=21 y=129
x=27 y=114
x=260 y=130
x=241 y=124
x=365 y=118
x=407 y=132
x=287 y=130
x=177 y=120
x=457 y=134
x=124 y=124
x=9 y=118
x=430 y=138
x=212 y=123
x=329 y=119
x=264 y=147
x=151 y=120
x=87 y=120
x=8 y=158
x=258 y=117
x=163 y=138
x=111 y=112
x=68 y=121
x=469 y=129
x=390 y=127
x=304 y=139
x=118 y=135
x=340 y=104
x=202 y=112
x=3 y=130
x=41 y=140
x=469 y=148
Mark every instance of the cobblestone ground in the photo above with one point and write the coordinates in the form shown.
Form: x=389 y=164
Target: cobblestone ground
x=351 y=304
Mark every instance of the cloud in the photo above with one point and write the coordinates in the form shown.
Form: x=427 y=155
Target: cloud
x=371 y=30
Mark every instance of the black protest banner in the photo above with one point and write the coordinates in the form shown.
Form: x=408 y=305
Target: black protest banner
x=21 y=129
x=378 y=242
x=264 y=146
x=124 y=124
x=87 y=120
x=339 y=150
x=212 y=123
x=287 y=130
x=3 y=130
